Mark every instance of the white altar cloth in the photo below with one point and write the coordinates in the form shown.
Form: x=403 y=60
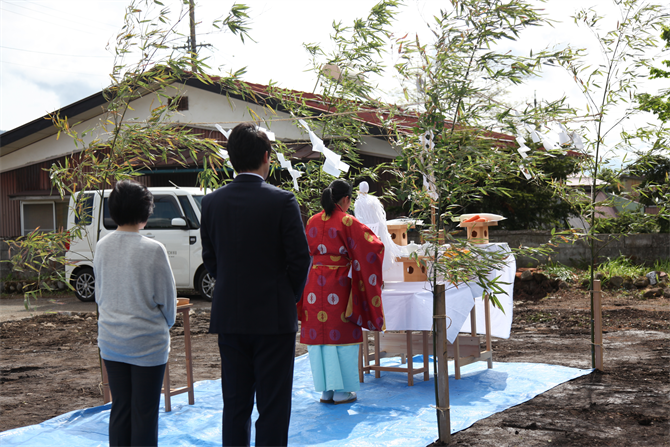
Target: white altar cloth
x=501 y=323
x=409 y=305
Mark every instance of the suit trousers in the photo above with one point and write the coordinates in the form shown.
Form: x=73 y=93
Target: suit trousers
x=136 y=395
x=261 y=365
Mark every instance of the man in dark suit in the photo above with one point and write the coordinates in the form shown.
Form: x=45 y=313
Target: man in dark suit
x=254 y=245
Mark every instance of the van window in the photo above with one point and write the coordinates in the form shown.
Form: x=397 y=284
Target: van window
x=83 y=209
x=190 y=214
x=165 y=209
x=107 y=218
x=198 y=201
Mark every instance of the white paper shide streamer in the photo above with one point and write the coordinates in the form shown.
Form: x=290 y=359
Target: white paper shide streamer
x=555 y=138
x=333 y=164
x=294 y=172
x=428 y=144
x=369 y=210
x=223 y=152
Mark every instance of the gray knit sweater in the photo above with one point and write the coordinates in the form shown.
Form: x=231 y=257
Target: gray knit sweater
x=137 y=299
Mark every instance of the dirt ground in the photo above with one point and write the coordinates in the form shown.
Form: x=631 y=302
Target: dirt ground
x=49 y=366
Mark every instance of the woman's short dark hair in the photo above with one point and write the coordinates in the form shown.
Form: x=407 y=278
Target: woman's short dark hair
x=333 y=194
x=130 y=203
x=246 y=146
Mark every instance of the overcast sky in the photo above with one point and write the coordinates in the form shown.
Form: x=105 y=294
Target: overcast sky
x=53 y=52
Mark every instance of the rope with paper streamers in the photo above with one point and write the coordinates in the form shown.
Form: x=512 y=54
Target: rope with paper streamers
x=551 y=140
x=333 y=164
x=428 y=144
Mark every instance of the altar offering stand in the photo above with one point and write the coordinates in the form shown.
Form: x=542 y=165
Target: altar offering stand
x=411 y=272
x=465 y=349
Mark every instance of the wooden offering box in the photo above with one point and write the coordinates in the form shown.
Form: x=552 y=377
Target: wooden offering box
x=413 y=272
x=478 y=232
x=398 y=233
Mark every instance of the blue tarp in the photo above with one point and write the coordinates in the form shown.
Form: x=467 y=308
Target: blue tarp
x=388 y=412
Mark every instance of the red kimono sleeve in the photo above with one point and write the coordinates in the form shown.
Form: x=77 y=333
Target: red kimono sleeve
x=366 y=251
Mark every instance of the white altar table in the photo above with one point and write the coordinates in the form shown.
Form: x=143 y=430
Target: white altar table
x=408 y=306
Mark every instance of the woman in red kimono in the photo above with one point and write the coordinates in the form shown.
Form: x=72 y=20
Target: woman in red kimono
x=342 y=295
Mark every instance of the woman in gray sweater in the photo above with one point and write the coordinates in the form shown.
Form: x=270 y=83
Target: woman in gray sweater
x=136 y=297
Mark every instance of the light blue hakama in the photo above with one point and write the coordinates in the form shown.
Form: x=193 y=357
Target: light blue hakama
x=334 y=367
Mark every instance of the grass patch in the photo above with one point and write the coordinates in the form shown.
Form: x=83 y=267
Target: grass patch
x=662 y=266
x=561 y=271
x=539 y=317
x=621 y=266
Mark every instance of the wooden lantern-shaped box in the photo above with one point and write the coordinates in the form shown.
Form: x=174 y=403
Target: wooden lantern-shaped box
x=398 y=233
x=478 y=232
x=413 y=272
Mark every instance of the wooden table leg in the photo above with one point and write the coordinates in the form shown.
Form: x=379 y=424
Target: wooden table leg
x=360 y=362
x=166 y=388
x=426 y=356
x=365 y=347
x=378 y=360
x=410 y=360
x=189 y=363
x=457 y=358
x=473 y=321
x=106 y=393
x=487 y=319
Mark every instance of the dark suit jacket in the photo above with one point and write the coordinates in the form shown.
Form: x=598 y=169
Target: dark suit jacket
x=254 y=245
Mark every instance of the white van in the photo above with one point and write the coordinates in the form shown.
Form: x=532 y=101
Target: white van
x=175 y=223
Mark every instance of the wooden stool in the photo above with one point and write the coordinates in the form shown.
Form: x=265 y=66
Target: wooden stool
x=409 y=345
x=167 y=391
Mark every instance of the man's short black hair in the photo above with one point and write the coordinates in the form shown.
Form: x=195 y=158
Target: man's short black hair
x=130 y=203
x=246 y=146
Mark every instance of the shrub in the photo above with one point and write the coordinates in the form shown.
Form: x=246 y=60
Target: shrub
x=627 y=222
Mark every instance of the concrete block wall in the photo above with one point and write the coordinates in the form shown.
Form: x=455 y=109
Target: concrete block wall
x=642 y=248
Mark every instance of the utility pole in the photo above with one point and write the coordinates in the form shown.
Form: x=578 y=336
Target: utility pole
x=191 y=46
x=191 y=14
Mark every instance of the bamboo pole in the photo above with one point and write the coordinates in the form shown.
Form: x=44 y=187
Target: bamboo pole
x=598 y=325
x=443 y=408
x=487 y=322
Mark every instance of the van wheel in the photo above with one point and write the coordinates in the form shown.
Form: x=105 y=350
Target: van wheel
x=205 y=284
x=84 y=284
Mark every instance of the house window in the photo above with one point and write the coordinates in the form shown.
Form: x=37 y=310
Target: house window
x=181 y=102
x=43 y=216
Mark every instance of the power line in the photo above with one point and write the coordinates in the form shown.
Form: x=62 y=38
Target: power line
x=54 y=69
x=46 y=21
x=71 y=15
x=52 y=54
